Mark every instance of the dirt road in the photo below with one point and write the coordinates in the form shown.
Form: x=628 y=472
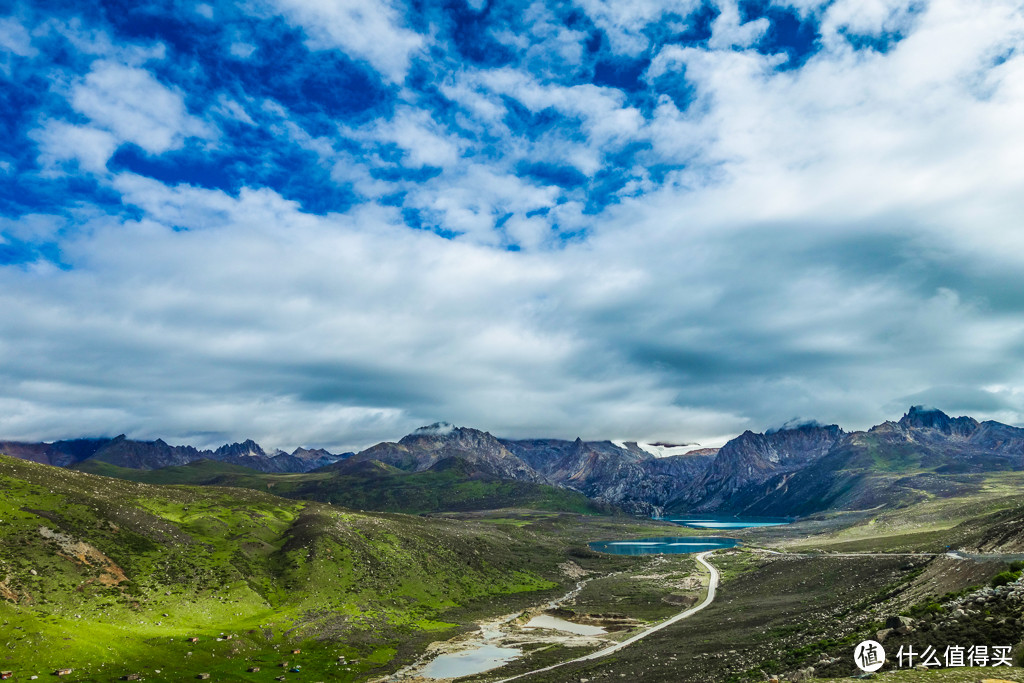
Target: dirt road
x=712 y=585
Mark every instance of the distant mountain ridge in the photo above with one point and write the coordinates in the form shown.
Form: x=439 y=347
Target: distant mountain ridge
x=152 y=455
x=790 y=471
x=926 y=453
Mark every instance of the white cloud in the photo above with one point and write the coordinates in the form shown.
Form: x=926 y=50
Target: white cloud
x=483 y=106
x=424 y=142
x=242 y=50
x=32 y=227
x=866 y=17
x=15 y=38
x=134 y=106
x=608 y=120
x=96 y=42
x=530 y=233
x=61 y=141
x=550 y=49
x=839 y=236
x=727 y=31
x=623 y=22
x=471 y=201
x=372 y=30
x=231 y=109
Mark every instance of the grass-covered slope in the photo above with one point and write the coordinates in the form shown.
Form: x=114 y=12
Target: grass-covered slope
x=110 y=577
x=451 y=485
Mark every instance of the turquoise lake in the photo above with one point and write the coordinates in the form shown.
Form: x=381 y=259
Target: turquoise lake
x=664 y=545
x=723 y=521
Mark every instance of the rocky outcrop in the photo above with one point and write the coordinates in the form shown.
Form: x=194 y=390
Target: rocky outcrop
x=919 y=417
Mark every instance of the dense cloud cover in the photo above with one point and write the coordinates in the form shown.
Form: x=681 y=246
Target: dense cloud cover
x=326 y=223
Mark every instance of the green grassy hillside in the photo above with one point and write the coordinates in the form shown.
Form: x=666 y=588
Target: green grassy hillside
x=450 y=486
x=111 y=577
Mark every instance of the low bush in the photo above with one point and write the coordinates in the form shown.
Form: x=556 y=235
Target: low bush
x=1003 y=578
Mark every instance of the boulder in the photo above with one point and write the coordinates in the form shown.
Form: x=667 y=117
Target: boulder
x=802 y=674
x=897 y=621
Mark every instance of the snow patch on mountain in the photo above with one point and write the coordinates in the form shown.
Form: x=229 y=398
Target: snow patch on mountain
x=658 y=450
x=665 y=450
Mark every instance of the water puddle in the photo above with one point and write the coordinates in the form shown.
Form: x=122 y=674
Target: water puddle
x=499 y=642
x=468 y=662
x=502 y=640
x=555 y=624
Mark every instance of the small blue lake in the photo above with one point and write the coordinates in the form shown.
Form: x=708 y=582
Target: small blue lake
x=723 y=521
x=672 y=545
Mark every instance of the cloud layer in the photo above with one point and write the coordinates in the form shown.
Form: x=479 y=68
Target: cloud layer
x=317 y=224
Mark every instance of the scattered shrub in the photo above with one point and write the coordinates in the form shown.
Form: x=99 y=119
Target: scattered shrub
x=925 y=609
x=1003 y=578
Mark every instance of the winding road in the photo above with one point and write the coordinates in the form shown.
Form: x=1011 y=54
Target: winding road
x=712 y=585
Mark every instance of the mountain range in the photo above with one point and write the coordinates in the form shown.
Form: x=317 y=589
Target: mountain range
x=151 y=455
x=793 y=471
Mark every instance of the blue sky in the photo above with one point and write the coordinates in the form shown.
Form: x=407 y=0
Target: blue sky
x=326 y=223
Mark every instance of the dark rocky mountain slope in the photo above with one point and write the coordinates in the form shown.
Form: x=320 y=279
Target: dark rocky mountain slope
x=58 y=453
x=927 y=453
x=427 y=446
x=750 y=460
x=628 y=477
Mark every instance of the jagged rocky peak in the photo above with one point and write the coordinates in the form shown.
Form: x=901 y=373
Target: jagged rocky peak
x=312 y=453
x=793 y=441
x=246 y=448
x=921 y=417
